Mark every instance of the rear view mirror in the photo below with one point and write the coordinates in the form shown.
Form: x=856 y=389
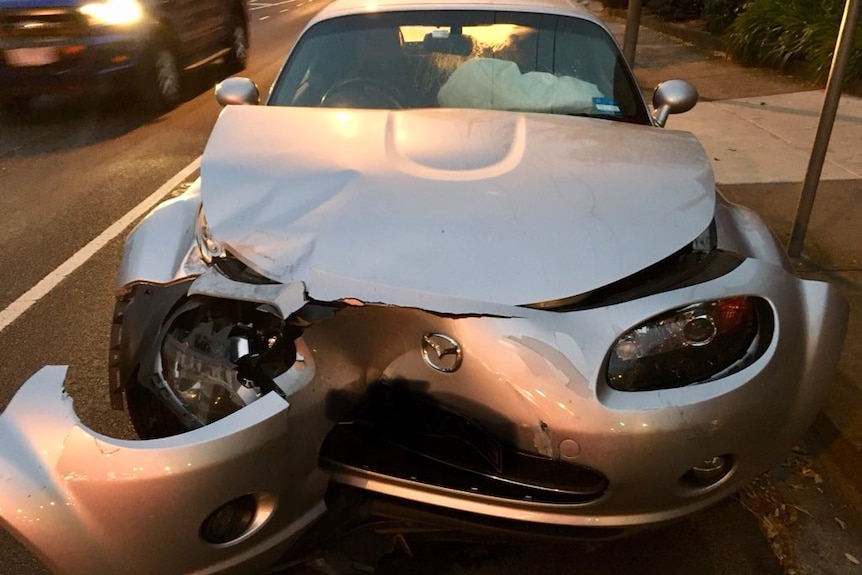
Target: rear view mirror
x=672 y=97
x=237 y=90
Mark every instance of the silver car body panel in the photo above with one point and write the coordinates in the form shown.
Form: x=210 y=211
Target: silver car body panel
x=576 y=204
x=486 y=206
x=86 y=503
x=162 y=248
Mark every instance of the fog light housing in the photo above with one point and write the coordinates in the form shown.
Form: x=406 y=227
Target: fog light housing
x=231 y=521
x=709 y=471
x=238 y=519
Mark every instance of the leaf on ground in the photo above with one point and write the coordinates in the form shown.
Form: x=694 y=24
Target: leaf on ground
x=841 y=524
x=811 y=474
x=802 y=510
x=763 y=500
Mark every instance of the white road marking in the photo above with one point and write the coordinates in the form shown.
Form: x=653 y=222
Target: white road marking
x=261 y=5
x=17 y=308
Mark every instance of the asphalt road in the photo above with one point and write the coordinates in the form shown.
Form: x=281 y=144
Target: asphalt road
x=73 y=167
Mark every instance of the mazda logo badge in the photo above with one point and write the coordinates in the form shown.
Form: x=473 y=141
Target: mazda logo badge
x=441 y=352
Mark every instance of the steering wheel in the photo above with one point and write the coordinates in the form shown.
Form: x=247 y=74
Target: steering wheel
x=362 y=92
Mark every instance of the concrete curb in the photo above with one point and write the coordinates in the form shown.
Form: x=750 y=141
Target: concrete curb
x=840 y=455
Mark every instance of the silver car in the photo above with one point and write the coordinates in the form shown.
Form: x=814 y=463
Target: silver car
x=453 y=273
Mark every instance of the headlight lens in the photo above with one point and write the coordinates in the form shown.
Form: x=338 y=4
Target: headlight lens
x=206 y=385
x=113 y=12
x=220 y=355
x=688 y=345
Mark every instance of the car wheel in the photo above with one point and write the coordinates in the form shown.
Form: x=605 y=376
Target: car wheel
x=161 y=79
x=237 y=58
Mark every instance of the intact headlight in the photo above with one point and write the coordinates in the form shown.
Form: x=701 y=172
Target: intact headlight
x=689 y=345
x=113 y=12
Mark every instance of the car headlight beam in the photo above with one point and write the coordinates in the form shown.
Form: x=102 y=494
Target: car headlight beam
x=689 y=345
x=113 y=12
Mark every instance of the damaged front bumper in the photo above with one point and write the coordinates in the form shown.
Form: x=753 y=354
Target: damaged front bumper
x=86 y=504
x=505 y=418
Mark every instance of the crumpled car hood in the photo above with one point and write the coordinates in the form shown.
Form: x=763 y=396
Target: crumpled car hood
x=498 y=207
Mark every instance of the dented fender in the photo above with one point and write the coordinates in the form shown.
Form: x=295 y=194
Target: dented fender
x=160 y=247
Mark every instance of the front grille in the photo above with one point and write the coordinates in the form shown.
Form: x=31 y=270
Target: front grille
x=408 y=436
x=45 y=24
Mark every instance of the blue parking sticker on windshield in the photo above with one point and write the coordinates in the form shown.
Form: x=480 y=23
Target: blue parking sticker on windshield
x=607 y=106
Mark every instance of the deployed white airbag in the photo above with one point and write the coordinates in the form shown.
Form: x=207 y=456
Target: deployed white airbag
x=498 y=84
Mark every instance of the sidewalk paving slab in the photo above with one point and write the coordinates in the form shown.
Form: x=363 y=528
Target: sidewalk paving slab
x=769 y=138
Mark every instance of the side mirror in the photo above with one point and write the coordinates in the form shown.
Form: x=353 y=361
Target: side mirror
x=672 y=97
x=237 y=90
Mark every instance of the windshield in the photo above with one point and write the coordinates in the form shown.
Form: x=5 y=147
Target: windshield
x=461 y=59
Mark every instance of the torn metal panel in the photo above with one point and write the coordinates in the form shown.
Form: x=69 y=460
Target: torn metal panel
x=323 y=286
x=284 y=299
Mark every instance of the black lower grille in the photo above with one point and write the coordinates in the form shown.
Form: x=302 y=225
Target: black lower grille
x=409 y=437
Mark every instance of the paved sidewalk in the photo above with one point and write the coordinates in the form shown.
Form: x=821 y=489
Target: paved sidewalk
x=758 y=127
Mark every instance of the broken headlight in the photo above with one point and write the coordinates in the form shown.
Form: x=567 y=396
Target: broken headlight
x=206 y=385
x=689 y=345
x=219 y=355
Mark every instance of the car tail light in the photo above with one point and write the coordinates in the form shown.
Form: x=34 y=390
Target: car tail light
x=688 y=345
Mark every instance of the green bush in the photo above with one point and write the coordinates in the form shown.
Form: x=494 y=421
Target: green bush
x=675 y=10
x=793 y=34
x=718 y=15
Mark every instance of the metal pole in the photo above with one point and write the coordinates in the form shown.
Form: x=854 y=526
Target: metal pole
x=633 y=23
x=834 y=86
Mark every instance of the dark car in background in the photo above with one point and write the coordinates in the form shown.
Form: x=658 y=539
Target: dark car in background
x=144 y=46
